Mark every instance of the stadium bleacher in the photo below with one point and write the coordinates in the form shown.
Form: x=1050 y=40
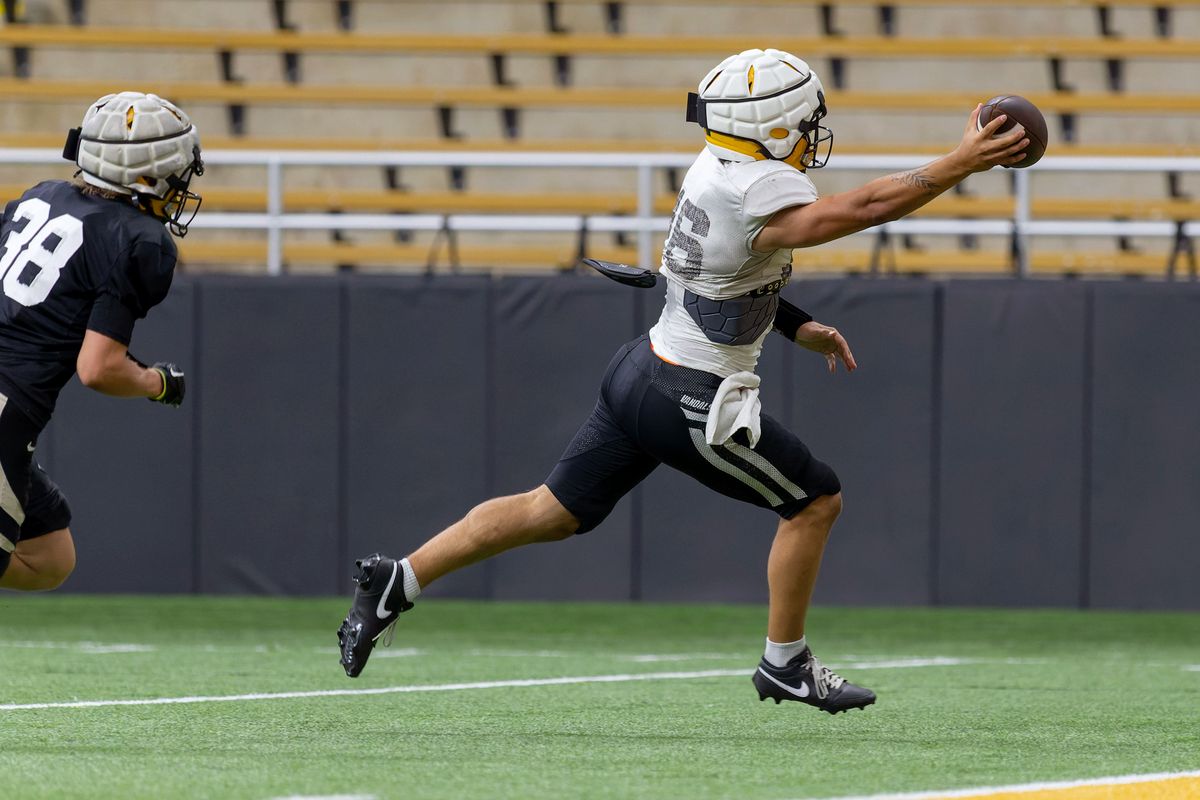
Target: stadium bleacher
x=520 y=76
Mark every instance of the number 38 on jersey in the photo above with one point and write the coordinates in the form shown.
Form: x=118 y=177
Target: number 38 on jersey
x=36 y=250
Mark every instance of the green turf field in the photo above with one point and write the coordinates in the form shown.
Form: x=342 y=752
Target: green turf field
x=966 y=698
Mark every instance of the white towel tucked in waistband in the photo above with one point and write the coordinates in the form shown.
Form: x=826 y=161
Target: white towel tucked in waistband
x=734 y=407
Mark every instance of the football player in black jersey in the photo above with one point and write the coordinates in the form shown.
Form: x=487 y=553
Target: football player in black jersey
x=80 y=262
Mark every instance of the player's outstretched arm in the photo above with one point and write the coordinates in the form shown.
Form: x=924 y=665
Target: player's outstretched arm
x=104 y=365
x=893 y=196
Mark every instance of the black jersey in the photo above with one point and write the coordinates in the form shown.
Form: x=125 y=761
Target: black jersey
x=69 y=263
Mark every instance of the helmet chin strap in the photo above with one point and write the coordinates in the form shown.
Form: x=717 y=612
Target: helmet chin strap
x=752 y=150
x=171 y=209
x=802 y=157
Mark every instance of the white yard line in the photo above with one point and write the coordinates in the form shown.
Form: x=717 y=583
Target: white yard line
x=393 y=652
x=653 y=658
x=452 y=687
x=436 y=687
x=483 y=653
x=904 y=663
x=83 y=647
x=1026 y=788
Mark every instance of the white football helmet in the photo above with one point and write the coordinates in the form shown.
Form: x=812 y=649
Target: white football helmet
x=763 y=104
x=143 y=146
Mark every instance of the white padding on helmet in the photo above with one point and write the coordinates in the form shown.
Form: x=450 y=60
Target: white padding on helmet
x=132 y=142
x=765 y=96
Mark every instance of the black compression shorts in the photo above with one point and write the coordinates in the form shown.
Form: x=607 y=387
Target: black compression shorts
x=30 y=504
x=651 y=412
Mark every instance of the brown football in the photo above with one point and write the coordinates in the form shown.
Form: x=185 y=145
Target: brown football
x=1019 y=110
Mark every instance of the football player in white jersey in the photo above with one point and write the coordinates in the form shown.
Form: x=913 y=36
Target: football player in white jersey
x=686 y=393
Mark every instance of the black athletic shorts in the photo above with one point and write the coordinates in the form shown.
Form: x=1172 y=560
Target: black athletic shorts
x=651 y=412
x=30 y=504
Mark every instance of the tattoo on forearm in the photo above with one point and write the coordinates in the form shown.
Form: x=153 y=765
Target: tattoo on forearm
x=917 y=179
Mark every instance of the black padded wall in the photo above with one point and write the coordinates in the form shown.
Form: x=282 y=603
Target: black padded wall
x=269 y=393
x=1011 y=443
x=1145 y=457
x=1012 y=439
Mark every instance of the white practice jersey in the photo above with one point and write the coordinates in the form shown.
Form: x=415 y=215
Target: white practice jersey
x=708 y=256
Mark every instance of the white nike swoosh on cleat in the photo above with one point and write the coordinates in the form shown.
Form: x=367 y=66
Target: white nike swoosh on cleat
x=381 y=611
x=801 y=692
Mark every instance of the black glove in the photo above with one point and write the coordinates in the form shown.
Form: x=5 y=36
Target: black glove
x=173 y=385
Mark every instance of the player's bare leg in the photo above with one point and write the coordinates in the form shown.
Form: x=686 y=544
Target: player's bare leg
x=491 y=528
x=793 y=565
x=40 y=564
x=387 y=587
x=789 y=671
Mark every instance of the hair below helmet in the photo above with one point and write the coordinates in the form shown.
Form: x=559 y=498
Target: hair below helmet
x=143 y=146
x=763 y=104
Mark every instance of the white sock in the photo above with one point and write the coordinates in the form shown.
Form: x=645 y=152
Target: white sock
x=412 y=589
x=778 y=655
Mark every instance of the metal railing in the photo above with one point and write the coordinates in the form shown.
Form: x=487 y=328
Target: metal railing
x=1021 y=227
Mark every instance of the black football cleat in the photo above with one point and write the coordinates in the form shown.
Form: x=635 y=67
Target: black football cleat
x=378 y=602
x=807 y=680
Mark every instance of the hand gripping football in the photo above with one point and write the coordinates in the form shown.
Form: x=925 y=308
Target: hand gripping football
x=1019 y=110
